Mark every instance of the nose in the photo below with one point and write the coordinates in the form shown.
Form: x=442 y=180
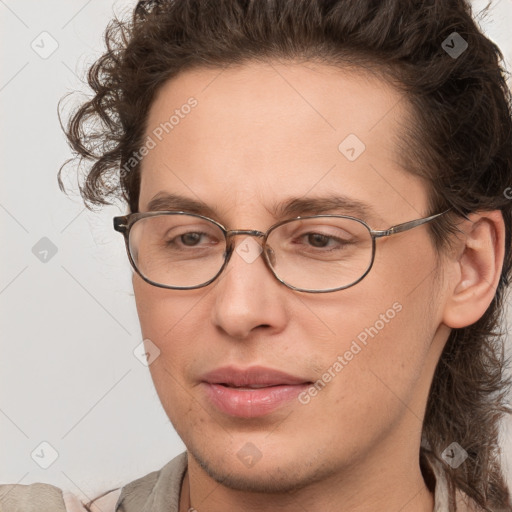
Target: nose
x=247 y=296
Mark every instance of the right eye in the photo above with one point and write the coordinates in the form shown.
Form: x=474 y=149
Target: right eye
x=188 y=239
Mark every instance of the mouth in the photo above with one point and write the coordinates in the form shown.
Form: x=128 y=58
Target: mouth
x=251 y=392
x=252 y=377
x=253 y=386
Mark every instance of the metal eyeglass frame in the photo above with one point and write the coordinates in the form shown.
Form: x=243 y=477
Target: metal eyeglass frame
x=123 y=224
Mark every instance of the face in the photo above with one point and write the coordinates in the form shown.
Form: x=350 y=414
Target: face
x=359 y=361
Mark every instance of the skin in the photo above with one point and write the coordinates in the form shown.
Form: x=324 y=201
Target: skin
x=260 y=134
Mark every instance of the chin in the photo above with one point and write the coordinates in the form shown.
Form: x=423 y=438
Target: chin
x=277 y=474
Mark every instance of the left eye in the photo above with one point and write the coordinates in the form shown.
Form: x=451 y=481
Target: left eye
x=319 y=240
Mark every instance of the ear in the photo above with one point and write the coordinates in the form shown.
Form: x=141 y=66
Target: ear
x=476 y=268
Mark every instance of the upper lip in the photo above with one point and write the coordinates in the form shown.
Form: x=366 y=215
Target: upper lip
x=252 y=376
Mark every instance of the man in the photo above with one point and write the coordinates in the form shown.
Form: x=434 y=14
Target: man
x=320 y=235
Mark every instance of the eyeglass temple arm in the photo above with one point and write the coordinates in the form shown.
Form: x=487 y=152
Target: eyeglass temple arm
x=399 y=228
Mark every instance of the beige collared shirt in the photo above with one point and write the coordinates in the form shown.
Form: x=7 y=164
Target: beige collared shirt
x=158 y=491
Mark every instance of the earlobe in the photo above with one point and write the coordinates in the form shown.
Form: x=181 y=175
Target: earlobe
x=477 y=270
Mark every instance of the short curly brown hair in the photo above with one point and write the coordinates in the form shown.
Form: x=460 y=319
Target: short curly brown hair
x=461 y=143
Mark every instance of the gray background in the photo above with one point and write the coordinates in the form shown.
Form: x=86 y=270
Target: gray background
x=68 y=375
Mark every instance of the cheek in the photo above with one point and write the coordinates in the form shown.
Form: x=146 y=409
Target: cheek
x=384 y=340
x=373 y=376
x=172 y=320
x=163 y=312
x=165 y=318
x=381 y=333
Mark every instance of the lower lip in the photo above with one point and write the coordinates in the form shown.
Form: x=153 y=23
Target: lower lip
x=251 y=403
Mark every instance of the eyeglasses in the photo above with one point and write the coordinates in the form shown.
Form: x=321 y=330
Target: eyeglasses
x=315 y=254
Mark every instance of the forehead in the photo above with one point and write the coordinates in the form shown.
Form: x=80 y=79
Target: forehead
x=252 y=135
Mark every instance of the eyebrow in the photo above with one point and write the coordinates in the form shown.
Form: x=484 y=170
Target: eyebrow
x=291 y=207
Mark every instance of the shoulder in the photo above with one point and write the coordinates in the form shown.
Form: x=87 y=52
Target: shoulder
x=33 y=497
x=41 y=497
x=104 y=503
x=156 y=491
x=159 y=488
